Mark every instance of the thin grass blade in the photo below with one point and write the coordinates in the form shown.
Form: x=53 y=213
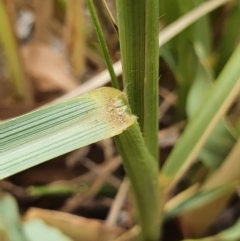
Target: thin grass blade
x=205 y=120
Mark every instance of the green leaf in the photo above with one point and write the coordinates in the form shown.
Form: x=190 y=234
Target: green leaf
x=201 y=85
x=230 y=37
x=46 y=133
x=198 y=199
x=10 y=225
x=37 y=230
x=51 y=190
x=221 y=140
x=57 y=190
x=182 y=46
x=217 y=146
x=203 y=122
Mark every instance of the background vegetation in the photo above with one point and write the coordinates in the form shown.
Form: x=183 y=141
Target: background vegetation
x=50 y=53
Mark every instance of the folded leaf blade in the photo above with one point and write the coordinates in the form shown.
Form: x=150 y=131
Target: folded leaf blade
x=46 y=133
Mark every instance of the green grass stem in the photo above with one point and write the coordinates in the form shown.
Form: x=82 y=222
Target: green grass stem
x=138 y=33
x=141 y=169
x=150 y=129
x=131 y=26
x=103 y=43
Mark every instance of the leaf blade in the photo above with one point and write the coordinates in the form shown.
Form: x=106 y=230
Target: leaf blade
x=46 y=133
x=203 y=122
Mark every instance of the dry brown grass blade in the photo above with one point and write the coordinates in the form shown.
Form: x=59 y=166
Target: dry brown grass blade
x=170 y=99
x=195 y=223
x=103 y=173
x=169 y=136
x=48 y=69
x=43 y=19
x=117 y=204
x=75 y=36
x=93 y=83
x=130 y=235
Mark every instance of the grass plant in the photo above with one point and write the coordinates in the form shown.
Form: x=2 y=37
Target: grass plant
x=132 y=117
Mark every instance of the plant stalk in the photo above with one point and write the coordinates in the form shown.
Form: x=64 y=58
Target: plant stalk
x=138 y=33
x=141 y=169
x=131 y=22
x=150 y=129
